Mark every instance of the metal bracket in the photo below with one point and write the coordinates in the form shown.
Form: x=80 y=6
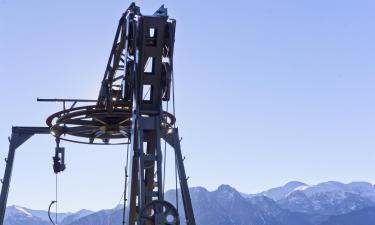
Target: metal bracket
x=19 y=136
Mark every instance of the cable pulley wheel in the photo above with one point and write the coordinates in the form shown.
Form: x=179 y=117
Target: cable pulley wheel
x=159 y=213
x=90 y=123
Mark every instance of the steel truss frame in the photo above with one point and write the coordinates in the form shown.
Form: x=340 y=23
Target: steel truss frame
x=136 y=81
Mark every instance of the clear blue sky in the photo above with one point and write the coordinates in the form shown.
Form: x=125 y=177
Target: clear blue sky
x=267 y=92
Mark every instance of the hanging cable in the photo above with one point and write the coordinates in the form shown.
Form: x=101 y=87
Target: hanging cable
x=49 y=212
x=176 y=180
x=165 y=160
x=173 y=96
x=125 y=186
x=123 y=195
x=174 y=126
x=113 y=212
x=51 y=204
x=165 y=157
x=56 y=200
x=58 y=166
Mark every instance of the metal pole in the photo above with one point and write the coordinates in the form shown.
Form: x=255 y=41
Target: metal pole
x=19 y=136
x=7 y=176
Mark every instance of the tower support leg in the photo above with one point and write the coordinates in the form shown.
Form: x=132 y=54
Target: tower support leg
x=173 y=139
x=15 y=140
x=6 y=180
x=19 y=136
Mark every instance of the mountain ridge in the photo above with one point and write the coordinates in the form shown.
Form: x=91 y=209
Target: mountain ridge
x=294 y=203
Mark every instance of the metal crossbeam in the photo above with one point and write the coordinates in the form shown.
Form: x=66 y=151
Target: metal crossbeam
x=19 y=136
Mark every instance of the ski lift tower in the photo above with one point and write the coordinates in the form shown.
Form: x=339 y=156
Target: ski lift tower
x=130 y=109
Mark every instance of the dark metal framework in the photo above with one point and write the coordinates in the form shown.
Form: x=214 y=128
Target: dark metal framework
x=129 y=109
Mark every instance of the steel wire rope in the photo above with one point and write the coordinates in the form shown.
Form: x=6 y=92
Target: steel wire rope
x=165 y=158
x=174 y=125
x=54 y=202
x=125 y=186
x=56 y=190
x=123 y=195
x=114 y=210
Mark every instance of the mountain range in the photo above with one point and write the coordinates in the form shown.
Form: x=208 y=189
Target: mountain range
x=296 y=203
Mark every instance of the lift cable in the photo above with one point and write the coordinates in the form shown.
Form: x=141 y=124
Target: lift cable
x=174 y=125
x=165 y=158
x=114 y=210
x=52 y=203
x=173 y=96
x=123 y=195
x=125 y=186
x=176 y=180
x=49 y=212
x=57 y=168
x=56 y=190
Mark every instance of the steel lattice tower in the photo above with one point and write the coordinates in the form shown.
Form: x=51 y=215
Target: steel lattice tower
x=128 y=110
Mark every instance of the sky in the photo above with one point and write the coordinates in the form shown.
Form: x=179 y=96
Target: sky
x=267 y=92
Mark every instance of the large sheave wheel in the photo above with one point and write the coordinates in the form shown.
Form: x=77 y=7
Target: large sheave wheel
x=159 y=213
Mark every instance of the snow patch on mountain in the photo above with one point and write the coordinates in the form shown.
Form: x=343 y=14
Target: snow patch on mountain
x=279 y=193
x=22 y=210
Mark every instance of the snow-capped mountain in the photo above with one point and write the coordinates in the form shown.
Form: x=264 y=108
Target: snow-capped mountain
x=329 y=198
x=359 y=217
x=17 y=215
x=22 y=211
x=227 y=206
x=296 y=203
x=75 y=216
x=16 y=211
x=280 y=192
x=363 y=189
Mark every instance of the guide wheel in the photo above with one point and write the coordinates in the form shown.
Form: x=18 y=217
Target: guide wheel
x=159 y=213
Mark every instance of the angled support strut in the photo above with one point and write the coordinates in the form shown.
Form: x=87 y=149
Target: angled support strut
x=173 y=139
x=19 y=136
